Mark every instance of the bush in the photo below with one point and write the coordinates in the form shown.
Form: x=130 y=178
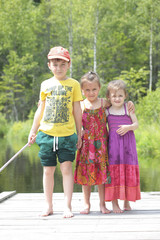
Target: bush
x=148 y=134
x=148 y=109
x=148 y=139
x=20 y=131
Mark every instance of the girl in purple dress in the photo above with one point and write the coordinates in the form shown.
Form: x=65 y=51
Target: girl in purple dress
x=123 y=161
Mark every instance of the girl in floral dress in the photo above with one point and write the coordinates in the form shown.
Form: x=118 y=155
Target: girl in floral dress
x=92 y=158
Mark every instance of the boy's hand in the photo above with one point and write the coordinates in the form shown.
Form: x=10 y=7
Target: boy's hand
x=31 y=138
x=79 y=142
x=130 y=107
x=123 y=129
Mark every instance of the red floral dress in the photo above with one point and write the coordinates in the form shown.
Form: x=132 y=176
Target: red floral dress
x=92 y=158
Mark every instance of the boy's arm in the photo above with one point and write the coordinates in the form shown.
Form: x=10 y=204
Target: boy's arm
x=77 y=112
x=123 y=129
x=36 y=122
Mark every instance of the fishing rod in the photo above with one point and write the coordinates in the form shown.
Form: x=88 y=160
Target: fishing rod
x=10 y=160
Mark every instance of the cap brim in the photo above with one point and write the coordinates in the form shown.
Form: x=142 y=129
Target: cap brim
x=58 y=57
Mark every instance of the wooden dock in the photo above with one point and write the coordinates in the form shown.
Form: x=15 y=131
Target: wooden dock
x=20 y=220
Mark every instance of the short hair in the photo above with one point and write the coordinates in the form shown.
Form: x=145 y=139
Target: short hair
x=116 y=85
x=90 y=77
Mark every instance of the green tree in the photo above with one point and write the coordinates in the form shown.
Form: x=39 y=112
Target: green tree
x=147 y=36
x=18 y=46
x=15 y=86
x=137 y=83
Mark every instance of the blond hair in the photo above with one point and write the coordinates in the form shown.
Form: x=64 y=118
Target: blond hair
x=116 y=85
x=90 y=77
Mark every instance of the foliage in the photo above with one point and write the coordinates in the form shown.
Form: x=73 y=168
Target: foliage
x=19 y=131
x=148 y=109
x=122 y=30
x=148 y=138
x=15 y=83
x=136 y=83
x=3 y=124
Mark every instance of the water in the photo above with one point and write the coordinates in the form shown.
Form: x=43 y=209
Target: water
x=24 y=174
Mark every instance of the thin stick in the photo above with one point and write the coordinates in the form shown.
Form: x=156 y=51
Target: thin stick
x=9 y=161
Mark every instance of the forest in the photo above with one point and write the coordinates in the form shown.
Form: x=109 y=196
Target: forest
x=118 y=39
x=115 y=38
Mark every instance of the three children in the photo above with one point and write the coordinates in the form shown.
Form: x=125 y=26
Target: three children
x=60 y=109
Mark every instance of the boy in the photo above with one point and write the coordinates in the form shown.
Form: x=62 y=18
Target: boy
x=58 y=110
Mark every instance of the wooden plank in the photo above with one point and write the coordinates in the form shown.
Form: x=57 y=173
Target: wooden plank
x=20 y=215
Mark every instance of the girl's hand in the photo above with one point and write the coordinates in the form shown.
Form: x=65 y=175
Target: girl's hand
x=123 y=129
x=79 y=142
x=130 y=107
x=83 y=132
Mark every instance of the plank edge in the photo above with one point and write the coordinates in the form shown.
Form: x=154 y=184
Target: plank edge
x=5 y=195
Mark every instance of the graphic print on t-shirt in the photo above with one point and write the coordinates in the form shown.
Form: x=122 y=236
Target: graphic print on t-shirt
x=57 y=104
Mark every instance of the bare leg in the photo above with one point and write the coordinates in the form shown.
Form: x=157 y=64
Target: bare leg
x=86 y=194
x=66 y=169
x=48 y=185
x=101 y=190
x=127 y=206
x=116 y=208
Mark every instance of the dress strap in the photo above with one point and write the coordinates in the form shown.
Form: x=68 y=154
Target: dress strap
x=108 y=111
x=101 y=102
x=125 y=109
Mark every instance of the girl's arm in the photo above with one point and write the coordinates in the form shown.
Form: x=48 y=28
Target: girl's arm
x=123 y=129
x=77 y=112
x=106 y=103
x=130 y=107
x=36 y=122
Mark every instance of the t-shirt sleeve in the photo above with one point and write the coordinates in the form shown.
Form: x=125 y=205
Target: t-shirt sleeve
x=77 y=94
x=43 y=94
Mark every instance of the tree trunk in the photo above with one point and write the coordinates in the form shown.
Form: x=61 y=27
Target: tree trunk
x=70 y=37
x=95 y=40
x=150 y=56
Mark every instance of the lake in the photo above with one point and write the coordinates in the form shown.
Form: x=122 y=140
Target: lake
x=24 y=174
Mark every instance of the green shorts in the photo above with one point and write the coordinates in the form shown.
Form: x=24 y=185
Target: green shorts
x=52 y=147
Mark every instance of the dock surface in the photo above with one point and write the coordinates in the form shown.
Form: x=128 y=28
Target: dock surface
x=20 y=219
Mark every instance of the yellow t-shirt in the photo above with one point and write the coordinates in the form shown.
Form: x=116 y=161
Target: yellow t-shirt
x=58 y=119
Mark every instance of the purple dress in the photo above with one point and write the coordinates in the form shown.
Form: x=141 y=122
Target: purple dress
x=123 y=161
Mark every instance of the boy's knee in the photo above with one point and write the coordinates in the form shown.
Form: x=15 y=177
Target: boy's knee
x=48 y=170
x=66 y=168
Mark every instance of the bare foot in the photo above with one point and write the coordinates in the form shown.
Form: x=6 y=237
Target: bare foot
x=104 y=210
x=67 y=213
x=85 y=211
x=116 y=208
x=46 y=213
x=127 y=206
